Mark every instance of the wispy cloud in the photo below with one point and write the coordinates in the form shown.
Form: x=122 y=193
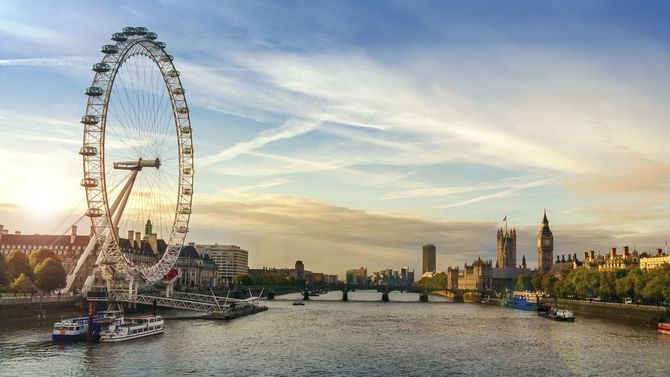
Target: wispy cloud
x=70 y=61
x=289 y=129
x=510 y=190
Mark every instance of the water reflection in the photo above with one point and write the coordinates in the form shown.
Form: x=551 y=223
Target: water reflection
x=330 y=337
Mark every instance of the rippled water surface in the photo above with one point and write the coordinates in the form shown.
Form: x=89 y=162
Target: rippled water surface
x=332 y=338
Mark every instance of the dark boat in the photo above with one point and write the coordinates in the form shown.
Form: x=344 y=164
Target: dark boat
x=521 y=303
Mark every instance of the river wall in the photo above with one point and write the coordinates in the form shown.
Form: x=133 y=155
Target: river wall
x=636 y=313
x=49 y=310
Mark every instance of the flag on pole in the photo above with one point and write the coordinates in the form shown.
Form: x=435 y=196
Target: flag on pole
x=505 y=218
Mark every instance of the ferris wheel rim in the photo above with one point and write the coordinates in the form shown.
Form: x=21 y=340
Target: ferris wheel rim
x=99 y=94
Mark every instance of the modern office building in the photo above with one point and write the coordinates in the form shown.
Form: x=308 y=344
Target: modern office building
x=429 y=264
x=357 y=276
x=231 y=261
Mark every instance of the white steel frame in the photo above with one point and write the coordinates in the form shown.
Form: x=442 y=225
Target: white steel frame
x=99 y=210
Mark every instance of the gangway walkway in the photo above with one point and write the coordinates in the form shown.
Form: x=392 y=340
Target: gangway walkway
x=166 y=302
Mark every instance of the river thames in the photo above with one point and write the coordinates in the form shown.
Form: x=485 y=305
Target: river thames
x=331 y=338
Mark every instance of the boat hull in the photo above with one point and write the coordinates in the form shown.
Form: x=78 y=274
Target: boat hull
x=63 y=338
x=130 y=337
x=664 y=328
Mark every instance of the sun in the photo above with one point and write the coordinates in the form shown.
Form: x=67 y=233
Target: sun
x=40 y=200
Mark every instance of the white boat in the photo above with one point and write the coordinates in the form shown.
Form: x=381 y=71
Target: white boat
x=74 y=329
x=563 y=315
x=133 y=328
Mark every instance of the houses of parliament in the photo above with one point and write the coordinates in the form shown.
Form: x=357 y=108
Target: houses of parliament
x=482 y=275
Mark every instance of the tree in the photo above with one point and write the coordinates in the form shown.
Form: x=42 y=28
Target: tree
x=549 y=282
x=607 y=285
x=17 y=264
x=50 y=275
x=40 y=256
x=536 y=280
x=3 y=271
x=22 y=284
x=586 y=282
x=523 y=283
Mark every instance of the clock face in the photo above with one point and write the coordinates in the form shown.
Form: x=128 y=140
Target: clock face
x=547 y=242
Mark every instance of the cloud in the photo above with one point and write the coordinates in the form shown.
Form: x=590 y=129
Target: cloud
x=69 y=61
x=289 y=129
x=510 y=190
x=278 y=229
x=643 y=177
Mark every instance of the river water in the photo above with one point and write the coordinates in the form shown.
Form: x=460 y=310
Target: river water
x=327 y=337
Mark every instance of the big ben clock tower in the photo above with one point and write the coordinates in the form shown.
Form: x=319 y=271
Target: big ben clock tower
x=545 y=246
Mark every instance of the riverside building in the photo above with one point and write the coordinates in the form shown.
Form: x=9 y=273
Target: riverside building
x=231 y=261
x=655 y=261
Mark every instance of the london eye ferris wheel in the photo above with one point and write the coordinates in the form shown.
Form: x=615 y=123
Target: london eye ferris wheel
x=137 y=154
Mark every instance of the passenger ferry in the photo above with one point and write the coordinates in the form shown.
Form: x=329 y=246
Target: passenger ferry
x=133 y=328
x=563 y=315
x=75 y=329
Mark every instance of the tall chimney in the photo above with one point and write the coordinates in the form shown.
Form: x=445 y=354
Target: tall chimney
x=131 y=234
x=153 y=242
x=138 y=239
x=73 y=234
x=593 y=254
x=586 y=255
x=625 y=251
x=659 y=252
x=613 y=252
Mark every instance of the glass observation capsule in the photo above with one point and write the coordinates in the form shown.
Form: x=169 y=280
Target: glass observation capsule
x=119 y=37
x=94 y=91
x=160 y=44
x=90 y=119
x=89 y=182
x=141 y=30
x=109 y=49
x=129 y=30
x=93 y=212
x=88 y=151
x=101 y=67
x=151 y=35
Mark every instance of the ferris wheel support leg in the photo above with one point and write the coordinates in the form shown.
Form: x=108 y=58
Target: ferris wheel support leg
x=82 y=259
x=125 y=194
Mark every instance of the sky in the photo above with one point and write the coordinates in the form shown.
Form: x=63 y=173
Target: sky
x=349 y=133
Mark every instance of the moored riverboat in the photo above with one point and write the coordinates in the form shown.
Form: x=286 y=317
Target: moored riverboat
x=664 y=327
x=561 y=315
x=521 y=303
x=133 y=328
x=76 y=329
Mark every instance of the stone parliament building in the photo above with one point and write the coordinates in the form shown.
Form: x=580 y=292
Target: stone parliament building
x=483 y=275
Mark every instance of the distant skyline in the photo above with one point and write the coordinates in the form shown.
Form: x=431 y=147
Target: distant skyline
x=349 y=133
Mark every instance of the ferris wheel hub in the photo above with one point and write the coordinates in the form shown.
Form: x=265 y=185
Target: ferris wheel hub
x=137 y=165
